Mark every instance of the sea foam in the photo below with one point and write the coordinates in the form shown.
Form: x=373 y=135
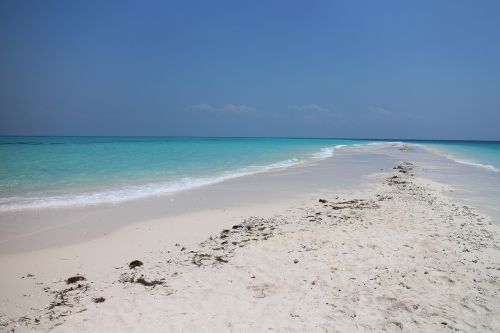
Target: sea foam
x=461 y=160
x=479 y=165
x=327 y=152
x=126 y=193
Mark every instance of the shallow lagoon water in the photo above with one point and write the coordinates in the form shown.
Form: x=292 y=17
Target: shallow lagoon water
x=49 y=172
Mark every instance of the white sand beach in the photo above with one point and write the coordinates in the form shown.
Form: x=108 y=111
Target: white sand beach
x=368 y=241
x=249 y=166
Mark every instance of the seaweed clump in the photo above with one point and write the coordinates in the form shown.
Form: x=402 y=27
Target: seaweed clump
x=75 y=279
x=135 y=263
x=147 y=283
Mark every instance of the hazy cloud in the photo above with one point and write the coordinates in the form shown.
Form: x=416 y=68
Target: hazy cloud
x=310 y=114
x=314 y=114
x=314 y=110
x=381 y=112
x=376 y=110
x=228 y=108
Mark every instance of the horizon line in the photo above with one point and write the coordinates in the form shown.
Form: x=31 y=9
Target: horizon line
x=248 y=137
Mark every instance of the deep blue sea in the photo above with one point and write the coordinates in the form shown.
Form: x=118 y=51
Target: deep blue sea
x=38 y=172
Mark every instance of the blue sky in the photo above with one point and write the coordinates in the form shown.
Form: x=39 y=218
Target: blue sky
x=372 y=69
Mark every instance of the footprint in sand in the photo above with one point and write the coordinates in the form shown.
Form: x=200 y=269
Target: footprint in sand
x=261 y=290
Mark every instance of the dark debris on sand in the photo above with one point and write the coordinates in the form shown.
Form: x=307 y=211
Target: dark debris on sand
x=404 y=170
x=135 y=263
x=75 y=279
x=404 y=167
x=219 y=250
x=147 y=283
x=337 y=210
x=132 y=278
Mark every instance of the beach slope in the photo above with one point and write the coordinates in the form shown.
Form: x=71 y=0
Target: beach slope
x=395 y=254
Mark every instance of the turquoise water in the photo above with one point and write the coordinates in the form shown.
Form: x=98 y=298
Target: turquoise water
x=53 y=171
x=484 y=154
x=38 y=172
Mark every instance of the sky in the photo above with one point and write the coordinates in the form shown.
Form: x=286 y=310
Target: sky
x=341 y=69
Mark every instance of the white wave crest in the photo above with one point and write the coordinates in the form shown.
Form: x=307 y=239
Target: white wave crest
x=479 y=165
x=461 y=161
x=381 y=144
x=326 y=152
x=127 y=193
x=385 y=144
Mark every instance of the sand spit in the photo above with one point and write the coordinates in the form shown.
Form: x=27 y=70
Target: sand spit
x=395 y=255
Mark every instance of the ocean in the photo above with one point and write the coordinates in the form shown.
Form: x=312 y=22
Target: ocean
x=44 y=172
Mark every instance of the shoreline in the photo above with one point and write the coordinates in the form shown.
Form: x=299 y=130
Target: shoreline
x=22 y=231
x=39 y=229
x=372 y=240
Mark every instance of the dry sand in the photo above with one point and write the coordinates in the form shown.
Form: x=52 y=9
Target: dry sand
x=395 y=254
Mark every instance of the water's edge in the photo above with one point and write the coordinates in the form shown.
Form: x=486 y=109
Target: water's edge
x=117 y=194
